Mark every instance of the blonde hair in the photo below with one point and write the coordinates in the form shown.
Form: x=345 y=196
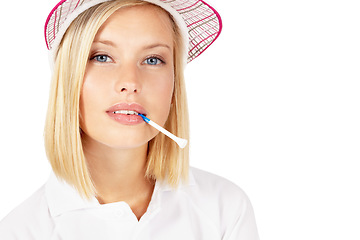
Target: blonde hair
x=63 y=143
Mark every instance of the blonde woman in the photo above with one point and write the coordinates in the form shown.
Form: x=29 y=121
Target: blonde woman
x=116 y=63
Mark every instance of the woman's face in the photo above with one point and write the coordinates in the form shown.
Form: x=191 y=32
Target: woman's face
x=130 y=69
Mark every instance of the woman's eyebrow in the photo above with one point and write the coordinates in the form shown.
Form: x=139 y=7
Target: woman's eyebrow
x=155 y=45
x=106 y=42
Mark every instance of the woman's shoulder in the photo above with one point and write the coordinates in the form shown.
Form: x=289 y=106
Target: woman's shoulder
x=216 y=193
x=215 y=187
x=28 y=219
x=222 y=203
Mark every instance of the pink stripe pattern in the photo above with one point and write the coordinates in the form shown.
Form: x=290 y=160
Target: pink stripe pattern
x=203 y=22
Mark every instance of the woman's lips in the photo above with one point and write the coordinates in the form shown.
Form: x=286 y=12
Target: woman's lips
x=126 y=113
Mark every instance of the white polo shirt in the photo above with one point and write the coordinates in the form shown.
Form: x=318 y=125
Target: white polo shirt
x=207 y=208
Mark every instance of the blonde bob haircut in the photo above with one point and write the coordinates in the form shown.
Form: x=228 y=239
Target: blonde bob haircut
x=63 y=142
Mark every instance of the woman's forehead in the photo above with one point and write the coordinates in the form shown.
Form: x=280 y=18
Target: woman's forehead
x=146 y=22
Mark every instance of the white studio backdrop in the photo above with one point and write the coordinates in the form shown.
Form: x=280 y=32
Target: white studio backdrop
x=274 y=107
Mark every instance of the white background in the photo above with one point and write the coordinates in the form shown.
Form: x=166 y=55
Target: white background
x=274 y=104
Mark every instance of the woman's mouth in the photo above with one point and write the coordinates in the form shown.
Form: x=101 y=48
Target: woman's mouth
x=127 y=114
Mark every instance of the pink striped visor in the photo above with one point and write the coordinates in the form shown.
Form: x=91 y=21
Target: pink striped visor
x=197 y=19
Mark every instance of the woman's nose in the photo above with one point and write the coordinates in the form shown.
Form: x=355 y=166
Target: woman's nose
x=128 y=80
x=128 y=89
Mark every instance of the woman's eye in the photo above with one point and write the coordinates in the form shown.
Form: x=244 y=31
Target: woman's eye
x=153 y=61
x=102 y=58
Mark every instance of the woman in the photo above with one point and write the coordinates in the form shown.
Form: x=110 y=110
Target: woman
x=115 y=176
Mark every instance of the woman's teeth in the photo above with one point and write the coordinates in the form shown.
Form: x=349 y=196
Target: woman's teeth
x=127 y=112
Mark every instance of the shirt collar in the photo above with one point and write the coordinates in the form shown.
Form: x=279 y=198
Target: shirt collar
x=62 y=197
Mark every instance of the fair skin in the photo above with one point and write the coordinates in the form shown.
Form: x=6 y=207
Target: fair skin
x=131 y=62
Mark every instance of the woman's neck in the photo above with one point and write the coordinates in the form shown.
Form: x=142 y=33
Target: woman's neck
x=119 y=175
